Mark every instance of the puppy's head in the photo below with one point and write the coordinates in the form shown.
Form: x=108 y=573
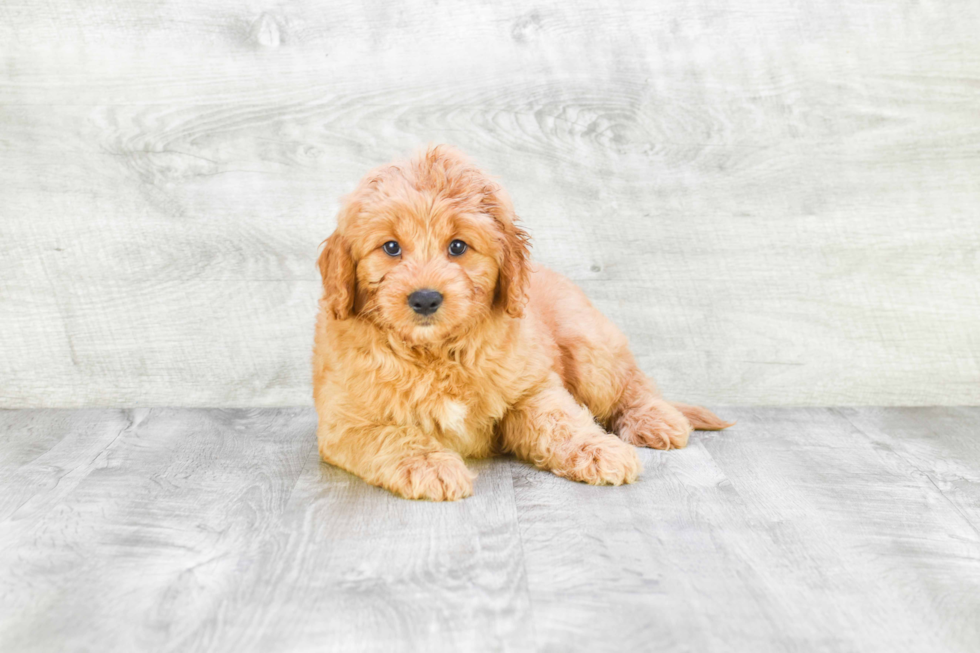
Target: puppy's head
x=426 y=249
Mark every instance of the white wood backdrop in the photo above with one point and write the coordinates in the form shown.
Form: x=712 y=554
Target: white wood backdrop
x=778 y=201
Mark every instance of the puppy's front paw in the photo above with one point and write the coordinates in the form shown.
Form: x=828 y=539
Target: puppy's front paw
x=436 y=476
x=660 y=427
x=602 y=460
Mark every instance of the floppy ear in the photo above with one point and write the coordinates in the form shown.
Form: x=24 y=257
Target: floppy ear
x=513 y=276
x=337 y=269
x=513 y=273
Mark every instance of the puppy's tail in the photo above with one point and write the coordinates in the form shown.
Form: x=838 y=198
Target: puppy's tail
x=700 y=418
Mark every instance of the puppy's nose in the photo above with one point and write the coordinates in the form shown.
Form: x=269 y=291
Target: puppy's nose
x=425 y=302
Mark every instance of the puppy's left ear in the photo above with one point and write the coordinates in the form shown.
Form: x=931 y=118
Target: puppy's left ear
x=514 y=270
x=337 y=269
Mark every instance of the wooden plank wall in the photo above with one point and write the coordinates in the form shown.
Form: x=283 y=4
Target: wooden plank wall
x=778 y=201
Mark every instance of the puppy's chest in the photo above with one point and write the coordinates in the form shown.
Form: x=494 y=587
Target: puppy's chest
x=458 y=405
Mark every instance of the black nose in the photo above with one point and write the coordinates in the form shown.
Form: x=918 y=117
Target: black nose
x=425 y=302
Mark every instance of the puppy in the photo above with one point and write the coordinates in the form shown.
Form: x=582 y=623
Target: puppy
x=437 y=339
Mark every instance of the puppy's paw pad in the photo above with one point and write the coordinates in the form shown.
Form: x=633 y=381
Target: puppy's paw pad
x=436 y=476
x=664 y=428
x=605 y=461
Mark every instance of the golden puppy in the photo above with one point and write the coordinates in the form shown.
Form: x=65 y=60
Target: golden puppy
x=437 y=340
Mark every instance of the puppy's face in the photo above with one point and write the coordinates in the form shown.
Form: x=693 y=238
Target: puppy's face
x=425 y=271
x=426 y=250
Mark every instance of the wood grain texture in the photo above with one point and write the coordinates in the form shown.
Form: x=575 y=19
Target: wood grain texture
x=777 y=201
x=219 y=530
x=940 y=445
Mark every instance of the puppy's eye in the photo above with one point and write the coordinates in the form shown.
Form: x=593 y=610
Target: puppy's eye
x=392 y=248
x=457 y=247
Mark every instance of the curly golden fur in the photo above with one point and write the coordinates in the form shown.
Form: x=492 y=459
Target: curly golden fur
x=515 y=359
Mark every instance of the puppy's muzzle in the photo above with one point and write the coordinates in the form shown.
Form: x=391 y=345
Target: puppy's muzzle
x=425 y=302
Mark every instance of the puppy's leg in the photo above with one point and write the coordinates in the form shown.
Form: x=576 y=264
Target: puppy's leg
x=403 y=460
x=643 y=418
x=550 y=430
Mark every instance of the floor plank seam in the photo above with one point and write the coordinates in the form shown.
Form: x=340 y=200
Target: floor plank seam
x=299 y=476
x=130 y=415
x=520 y=540
x=925 y=474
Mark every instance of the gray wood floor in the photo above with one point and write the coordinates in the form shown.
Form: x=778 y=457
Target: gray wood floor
x=219 y=530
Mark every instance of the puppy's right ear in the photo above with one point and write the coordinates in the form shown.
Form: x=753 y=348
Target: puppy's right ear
x=337 y=269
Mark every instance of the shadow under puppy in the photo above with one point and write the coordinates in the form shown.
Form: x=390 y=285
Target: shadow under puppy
x=438 y=339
